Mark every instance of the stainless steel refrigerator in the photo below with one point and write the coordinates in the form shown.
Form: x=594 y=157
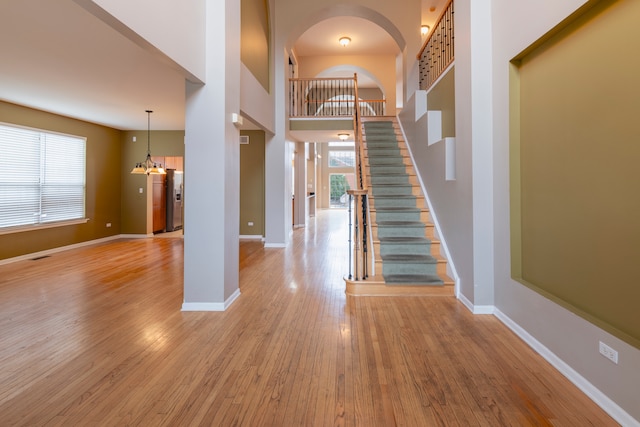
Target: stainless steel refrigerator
x=174 y=199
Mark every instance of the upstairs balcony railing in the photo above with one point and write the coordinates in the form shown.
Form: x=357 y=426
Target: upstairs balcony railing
x=437 y=53
x=329 y=97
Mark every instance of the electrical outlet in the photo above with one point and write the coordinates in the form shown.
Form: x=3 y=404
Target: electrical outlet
x=108 y=224
x=608 y=352
x=250 y=223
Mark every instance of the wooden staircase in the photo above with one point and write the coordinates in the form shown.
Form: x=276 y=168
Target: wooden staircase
x=407 y=256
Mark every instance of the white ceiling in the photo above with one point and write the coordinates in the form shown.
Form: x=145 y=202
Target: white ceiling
x=58 y=57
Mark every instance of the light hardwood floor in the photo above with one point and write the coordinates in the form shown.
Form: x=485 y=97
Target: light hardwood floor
x=95 y=336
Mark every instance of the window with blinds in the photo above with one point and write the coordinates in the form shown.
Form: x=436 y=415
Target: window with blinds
x=42 y=177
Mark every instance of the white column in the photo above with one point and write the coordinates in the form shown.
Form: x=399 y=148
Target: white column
x=212 y=165
x=278 y=190
x=482 y=153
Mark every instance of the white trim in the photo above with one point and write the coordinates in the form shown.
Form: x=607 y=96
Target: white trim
x=484 y=309
x=135 y=236
x=608 y=405
x=251 y=237
x=476 y=309
x=56 y=250
x=211 y=306
x=464 y=300
x=42 y=226
x=275 y=245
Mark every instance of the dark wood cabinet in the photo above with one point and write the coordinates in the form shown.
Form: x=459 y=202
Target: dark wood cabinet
x=159 y=203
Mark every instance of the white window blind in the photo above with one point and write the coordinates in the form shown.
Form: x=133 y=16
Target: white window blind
x=42 y=177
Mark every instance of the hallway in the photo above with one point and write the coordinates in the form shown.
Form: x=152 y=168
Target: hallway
x=95 y=336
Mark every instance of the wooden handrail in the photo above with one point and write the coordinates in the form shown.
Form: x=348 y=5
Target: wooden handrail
x=361 y=251
x=430 y=33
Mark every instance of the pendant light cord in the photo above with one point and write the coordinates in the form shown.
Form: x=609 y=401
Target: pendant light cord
x=149 y=131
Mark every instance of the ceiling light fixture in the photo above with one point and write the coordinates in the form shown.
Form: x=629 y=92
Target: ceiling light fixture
x=424 y=29
x=344 y=41
x=148 y=166
x=343 y=136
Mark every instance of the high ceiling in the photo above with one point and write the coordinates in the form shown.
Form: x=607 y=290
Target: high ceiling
x=366 y=38
x=58 y=57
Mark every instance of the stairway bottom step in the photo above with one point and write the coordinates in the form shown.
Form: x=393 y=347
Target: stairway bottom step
x=376 y=286
x=413 y=279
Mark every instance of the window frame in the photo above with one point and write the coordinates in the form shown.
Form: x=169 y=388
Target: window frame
x=79 y=168
x=333 y=151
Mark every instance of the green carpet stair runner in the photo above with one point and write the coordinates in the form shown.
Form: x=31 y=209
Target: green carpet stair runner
x=404 y=249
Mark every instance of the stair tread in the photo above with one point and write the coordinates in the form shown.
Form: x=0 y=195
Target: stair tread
x=392 y=174
x=431 y=279
x=408 y=239
x=393 y=184
x=401 y=223
x=398 y=196
x=409 y=258
x=385 y=209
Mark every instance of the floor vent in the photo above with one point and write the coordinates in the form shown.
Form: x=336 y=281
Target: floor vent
x=40 y=257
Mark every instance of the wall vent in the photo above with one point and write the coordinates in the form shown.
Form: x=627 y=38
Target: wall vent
x=244 y=139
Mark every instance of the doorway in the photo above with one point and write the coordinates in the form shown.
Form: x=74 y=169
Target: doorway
x=339 y=183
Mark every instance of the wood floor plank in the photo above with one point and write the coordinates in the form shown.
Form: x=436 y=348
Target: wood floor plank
x=95 y=336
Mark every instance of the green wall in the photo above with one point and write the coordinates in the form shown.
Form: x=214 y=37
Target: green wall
x=576 y=174
x=252 y=181
x=112 y=194
x=442 y=97
x=103 y=183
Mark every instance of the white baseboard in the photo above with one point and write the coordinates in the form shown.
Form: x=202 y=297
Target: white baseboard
x=484 y=309
x=608 y=405
x=475 y=309
x=251 y=237
x=211 y=306
x=275 y=245
x=59 y=249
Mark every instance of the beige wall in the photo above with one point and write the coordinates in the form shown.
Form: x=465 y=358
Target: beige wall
x=380 y=67
x=102 y=183
x=254 y=39
x=580 y=236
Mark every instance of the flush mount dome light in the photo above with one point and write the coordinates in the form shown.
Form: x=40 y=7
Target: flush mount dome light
x=343 y=136
x=424 y=29
x=344 y=41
